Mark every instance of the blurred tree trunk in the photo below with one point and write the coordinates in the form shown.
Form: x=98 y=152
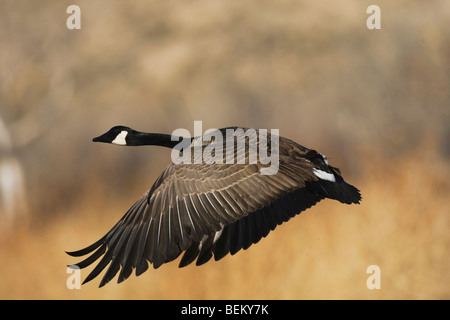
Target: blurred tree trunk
x=12 y=181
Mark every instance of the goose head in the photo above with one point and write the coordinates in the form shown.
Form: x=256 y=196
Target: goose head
x=119 y=135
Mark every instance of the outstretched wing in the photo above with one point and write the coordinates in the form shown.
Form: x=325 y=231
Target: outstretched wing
x=217 y=209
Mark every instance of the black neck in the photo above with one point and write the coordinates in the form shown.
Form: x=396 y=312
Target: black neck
x=154 y=139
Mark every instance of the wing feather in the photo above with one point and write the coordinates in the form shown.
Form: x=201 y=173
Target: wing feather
x=203 y=210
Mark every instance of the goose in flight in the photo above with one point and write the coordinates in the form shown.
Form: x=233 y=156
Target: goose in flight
x=205 y=209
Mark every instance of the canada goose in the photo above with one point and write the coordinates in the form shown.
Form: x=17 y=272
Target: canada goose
x=205 y=209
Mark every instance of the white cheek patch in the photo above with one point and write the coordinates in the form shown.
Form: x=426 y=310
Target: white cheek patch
x=120 y=139
x=324 y=175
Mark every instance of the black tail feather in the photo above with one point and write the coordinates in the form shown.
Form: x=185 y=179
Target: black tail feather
x=339 y=190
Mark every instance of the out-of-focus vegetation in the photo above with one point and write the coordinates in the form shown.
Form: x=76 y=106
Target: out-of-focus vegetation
x=377 y=103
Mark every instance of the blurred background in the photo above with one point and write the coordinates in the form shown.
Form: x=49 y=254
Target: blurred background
x=375 y=102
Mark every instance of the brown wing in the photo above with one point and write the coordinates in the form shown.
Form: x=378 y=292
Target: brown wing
x=203 y=210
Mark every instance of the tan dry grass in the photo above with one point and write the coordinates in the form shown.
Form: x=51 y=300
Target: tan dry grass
x=264 y=64
x=401 y=226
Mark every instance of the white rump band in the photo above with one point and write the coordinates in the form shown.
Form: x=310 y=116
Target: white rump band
x=324 y=175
